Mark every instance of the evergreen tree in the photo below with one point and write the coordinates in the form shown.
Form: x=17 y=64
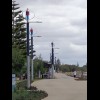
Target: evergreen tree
x=18 y=61
x=18 y=40
x=18 y=29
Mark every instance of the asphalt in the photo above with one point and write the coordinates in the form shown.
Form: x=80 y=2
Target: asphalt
x=63 y=88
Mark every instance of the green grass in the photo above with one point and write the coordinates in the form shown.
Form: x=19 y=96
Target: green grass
x=28 y=95
x=23 y=84
x=21 y=92
x=80 y=79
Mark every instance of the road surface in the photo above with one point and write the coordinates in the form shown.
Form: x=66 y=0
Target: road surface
x=63 y=88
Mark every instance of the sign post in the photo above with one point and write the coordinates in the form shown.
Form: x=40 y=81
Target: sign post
x=13 y=82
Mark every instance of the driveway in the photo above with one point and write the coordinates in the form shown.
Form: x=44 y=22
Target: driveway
x=63 y=88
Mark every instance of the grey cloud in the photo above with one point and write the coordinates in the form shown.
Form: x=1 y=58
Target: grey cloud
x=64 y=23
x=80 y=23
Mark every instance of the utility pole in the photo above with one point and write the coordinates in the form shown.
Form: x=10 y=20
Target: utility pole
x=28 y=57
x=52 y=44
x=32 y=74
x=50 y=58
x=50 y=68
x=32 y=51
x=55 y=64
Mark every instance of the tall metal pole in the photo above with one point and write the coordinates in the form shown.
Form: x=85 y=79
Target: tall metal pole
x=50 y=68
x=32 y=70
x=55 y=64
x=28 y=58
x=52 y=60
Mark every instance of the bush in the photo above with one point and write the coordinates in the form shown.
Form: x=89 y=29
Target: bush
x=21 y=85
x=22 y=94
x=29 y=95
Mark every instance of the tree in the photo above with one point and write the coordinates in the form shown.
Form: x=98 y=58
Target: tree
x=84 y=67
x=18 y=40
x=58 y=64
x=77 y=64
x=38 y=66
x=18 y=29
x=69 y=68
x=18 y=62
x=64 y=68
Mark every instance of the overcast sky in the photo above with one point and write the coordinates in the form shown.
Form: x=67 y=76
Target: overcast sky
x=64 y=22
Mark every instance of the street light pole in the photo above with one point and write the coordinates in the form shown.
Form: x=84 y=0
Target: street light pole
x=32 y=69
x=28 y=58
x=55 y=64
x=52 y=44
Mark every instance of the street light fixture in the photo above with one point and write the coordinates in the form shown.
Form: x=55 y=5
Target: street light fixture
x=32 y=67
x=36 y=22
x=52 y=44
x=33 y=22
x=56 y=48
x=28 y=59
x=56 y=53
x=28 y=63
x=37 y=36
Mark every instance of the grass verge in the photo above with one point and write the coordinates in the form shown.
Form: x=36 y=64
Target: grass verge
x=21 y=92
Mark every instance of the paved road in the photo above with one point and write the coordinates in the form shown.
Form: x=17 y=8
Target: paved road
x=63 y=88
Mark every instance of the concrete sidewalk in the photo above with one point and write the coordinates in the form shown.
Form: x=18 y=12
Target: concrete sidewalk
x=63 y=88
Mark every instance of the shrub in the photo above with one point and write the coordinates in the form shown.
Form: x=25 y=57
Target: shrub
x=21 y=92
x=29 y=95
